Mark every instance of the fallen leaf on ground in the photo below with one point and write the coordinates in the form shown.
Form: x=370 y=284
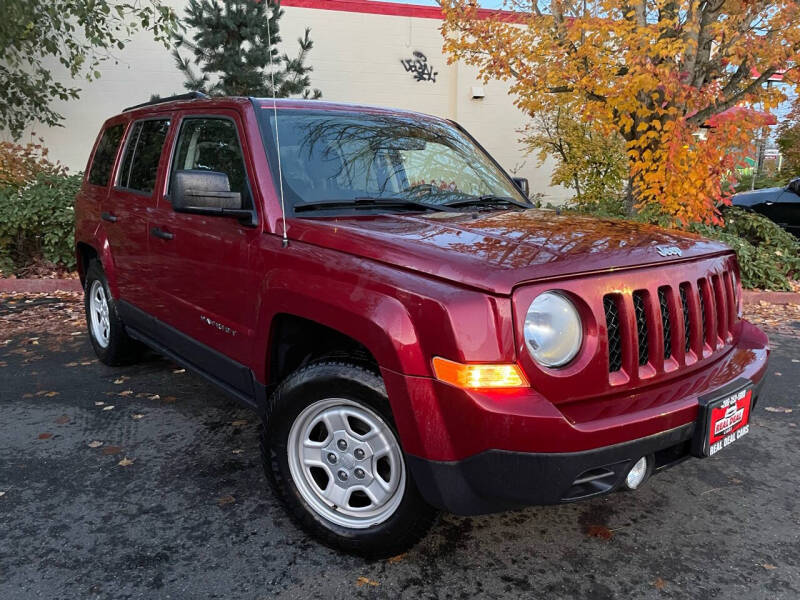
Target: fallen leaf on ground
x=45 y=436
x=95 y=444
x=99 y=403
x=62 y=419
x=109 y=407
x=72 y=364
x=126 y=393
x=178 y=371
x=125 y=462
x=112 y=450
x=659 y=583
x=769 y=567
x=2 y=494
x=154 y=397
x=778 y=374
x=362 y=581
x=226 y=500
x=120 y=380
x=396 y=559
x=239 y=423
x=777 y=409
x=170 y=399
x=600 y=531
x=237 y=451
x=137 y=416
x=27 y=395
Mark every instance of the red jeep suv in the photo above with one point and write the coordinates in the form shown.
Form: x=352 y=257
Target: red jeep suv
x=413 y=332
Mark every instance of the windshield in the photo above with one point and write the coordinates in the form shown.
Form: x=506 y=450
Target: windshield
x=329 y=156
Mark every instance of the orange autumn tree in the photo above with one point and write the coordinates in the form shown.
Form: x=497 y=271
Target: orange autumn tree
x=656 y=72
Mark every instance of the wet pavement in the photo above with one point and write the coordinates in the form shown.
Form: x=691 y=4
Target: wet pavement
x=174 y=504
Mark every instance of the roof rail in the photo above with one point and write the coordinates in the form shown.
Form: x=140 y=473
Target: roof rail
x=189 y=96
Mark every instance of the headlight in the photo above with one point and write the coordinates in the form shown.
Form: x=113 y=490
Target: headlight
x=553 y=330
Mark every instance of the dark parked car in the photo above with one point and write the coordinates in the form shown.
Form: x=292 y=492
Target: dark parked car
x=414 y=334
x=780 y=204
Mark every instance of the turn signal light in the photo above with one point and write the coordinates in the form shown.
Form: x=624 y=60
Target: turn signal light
x=479 y=376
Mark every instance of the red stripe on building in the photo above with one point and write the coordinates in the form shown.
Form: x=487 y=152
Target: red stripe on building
x=396 y=9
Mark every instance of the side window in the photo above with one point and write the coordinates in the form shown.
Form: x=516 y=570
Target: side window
x=142 y=153
x=211 y=144
x=104 y=156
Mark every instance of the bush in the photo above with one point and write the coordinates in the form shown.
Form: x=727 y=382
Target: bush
x=20 y=165
x=37 y=221
x=769 y=256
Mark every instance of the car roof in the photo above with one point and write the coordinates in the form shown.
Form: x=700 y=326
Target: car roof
x=200 y=103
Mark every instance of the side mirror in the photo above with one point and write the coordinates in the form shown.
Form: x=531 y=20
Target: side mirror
x=206 y=193
x=794 y=186
x=522 y=184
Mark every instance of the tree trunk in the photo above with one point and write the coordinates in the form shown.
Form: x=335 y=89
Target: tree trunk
x=629 y=202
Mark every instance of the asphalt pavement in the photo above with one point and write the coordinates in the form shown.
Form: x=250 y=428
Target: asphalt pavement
x=145 y=482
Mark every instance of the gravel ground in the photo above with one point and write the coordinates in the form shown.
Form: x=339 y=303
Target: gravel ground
x=145 y=482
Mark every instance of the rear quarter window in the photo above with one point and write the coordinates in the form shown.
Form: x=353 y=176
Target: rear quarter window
x=142 y=154
x=104 y=155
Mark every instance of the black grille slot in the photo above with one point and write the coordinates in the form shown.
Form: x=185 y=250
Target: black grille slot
x=614 y=334
x=641 y=326
x=687 y=326
x=701 y=298
x=665 y=321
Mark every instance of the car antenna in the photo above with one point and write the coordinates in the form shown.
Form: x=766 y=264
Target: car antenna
x=285 y=242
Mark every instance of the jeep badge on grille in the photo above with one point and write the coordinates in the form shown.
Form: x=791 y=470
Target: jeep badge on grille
x=669 y=250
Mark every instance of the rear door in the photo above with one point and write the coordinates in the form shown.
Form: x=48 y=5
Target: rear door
x=201 y=264
x=129 y=205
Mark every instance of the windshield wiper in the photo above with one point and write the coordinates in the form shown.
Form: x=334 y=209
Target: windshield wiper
x=368 y=202
x=487 y=200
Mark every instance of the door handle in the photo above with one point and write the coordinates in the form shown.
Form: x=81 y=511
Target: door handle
x=160 y=233
x=108 y=217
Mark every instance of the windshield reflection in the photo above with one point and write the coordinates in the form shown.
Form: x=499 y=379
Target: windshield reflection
x=334 y=156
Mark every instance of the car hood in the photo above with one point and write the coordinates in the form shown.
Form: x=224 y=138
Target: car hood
x=756 y=196
x=497 y=251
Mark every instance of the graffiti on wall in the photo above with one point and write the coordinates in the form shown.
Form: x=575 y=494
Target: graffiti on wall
x=419 y=68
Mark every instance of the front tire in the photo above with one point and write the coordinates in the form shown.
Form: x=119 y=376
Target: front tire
x=111 y=343
x=332 y=454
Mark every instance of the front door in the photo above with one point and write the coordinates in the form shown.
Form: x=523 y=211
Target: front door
x=200 y=263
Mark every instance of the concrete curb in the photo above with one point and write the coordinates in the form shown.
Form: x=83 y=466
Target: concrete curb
x=38 y=286
x=754 y=297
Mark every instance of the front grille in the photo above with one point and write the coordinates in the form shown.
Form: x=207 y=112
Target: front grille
x=701 y=292
x=614 y=336
x=666 y=325
x=687 y=323
x=707 y=308
x=641 y=326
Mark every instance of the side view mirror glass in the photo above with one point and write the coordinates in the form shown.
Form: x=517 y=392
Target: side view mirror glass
x=794 y=186
x=522 y=184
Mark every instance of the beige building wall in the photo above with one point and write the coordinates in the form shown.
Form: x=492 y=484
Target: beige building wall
x=356 y=58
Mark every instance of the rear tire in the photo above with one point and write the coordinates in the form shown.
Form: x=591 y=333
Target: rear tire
x=332 y=454
x=111 y=343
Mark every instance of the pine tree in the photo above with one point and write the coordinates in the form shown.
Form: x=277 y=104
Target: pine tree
x=232 y=46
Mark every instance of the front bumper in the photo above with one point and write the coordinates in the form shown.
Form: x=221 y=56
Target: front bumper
x=474 y=453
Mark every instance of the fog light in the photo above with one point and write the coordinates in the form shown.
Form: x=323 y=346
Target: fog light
x=636 y=474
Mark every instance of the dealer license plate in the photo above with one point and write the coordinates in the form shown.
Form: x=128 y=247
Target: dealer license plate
x=723 y=420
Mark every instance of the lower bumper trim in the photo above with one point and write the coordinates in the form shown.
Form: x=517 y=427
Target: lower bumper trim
x=497 y=480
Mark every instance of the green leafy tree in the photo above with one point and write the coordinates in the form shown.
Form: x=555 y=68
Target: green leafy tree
x=75 y=35
x=789 y=141
x=234 y=47
x=590 y=162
